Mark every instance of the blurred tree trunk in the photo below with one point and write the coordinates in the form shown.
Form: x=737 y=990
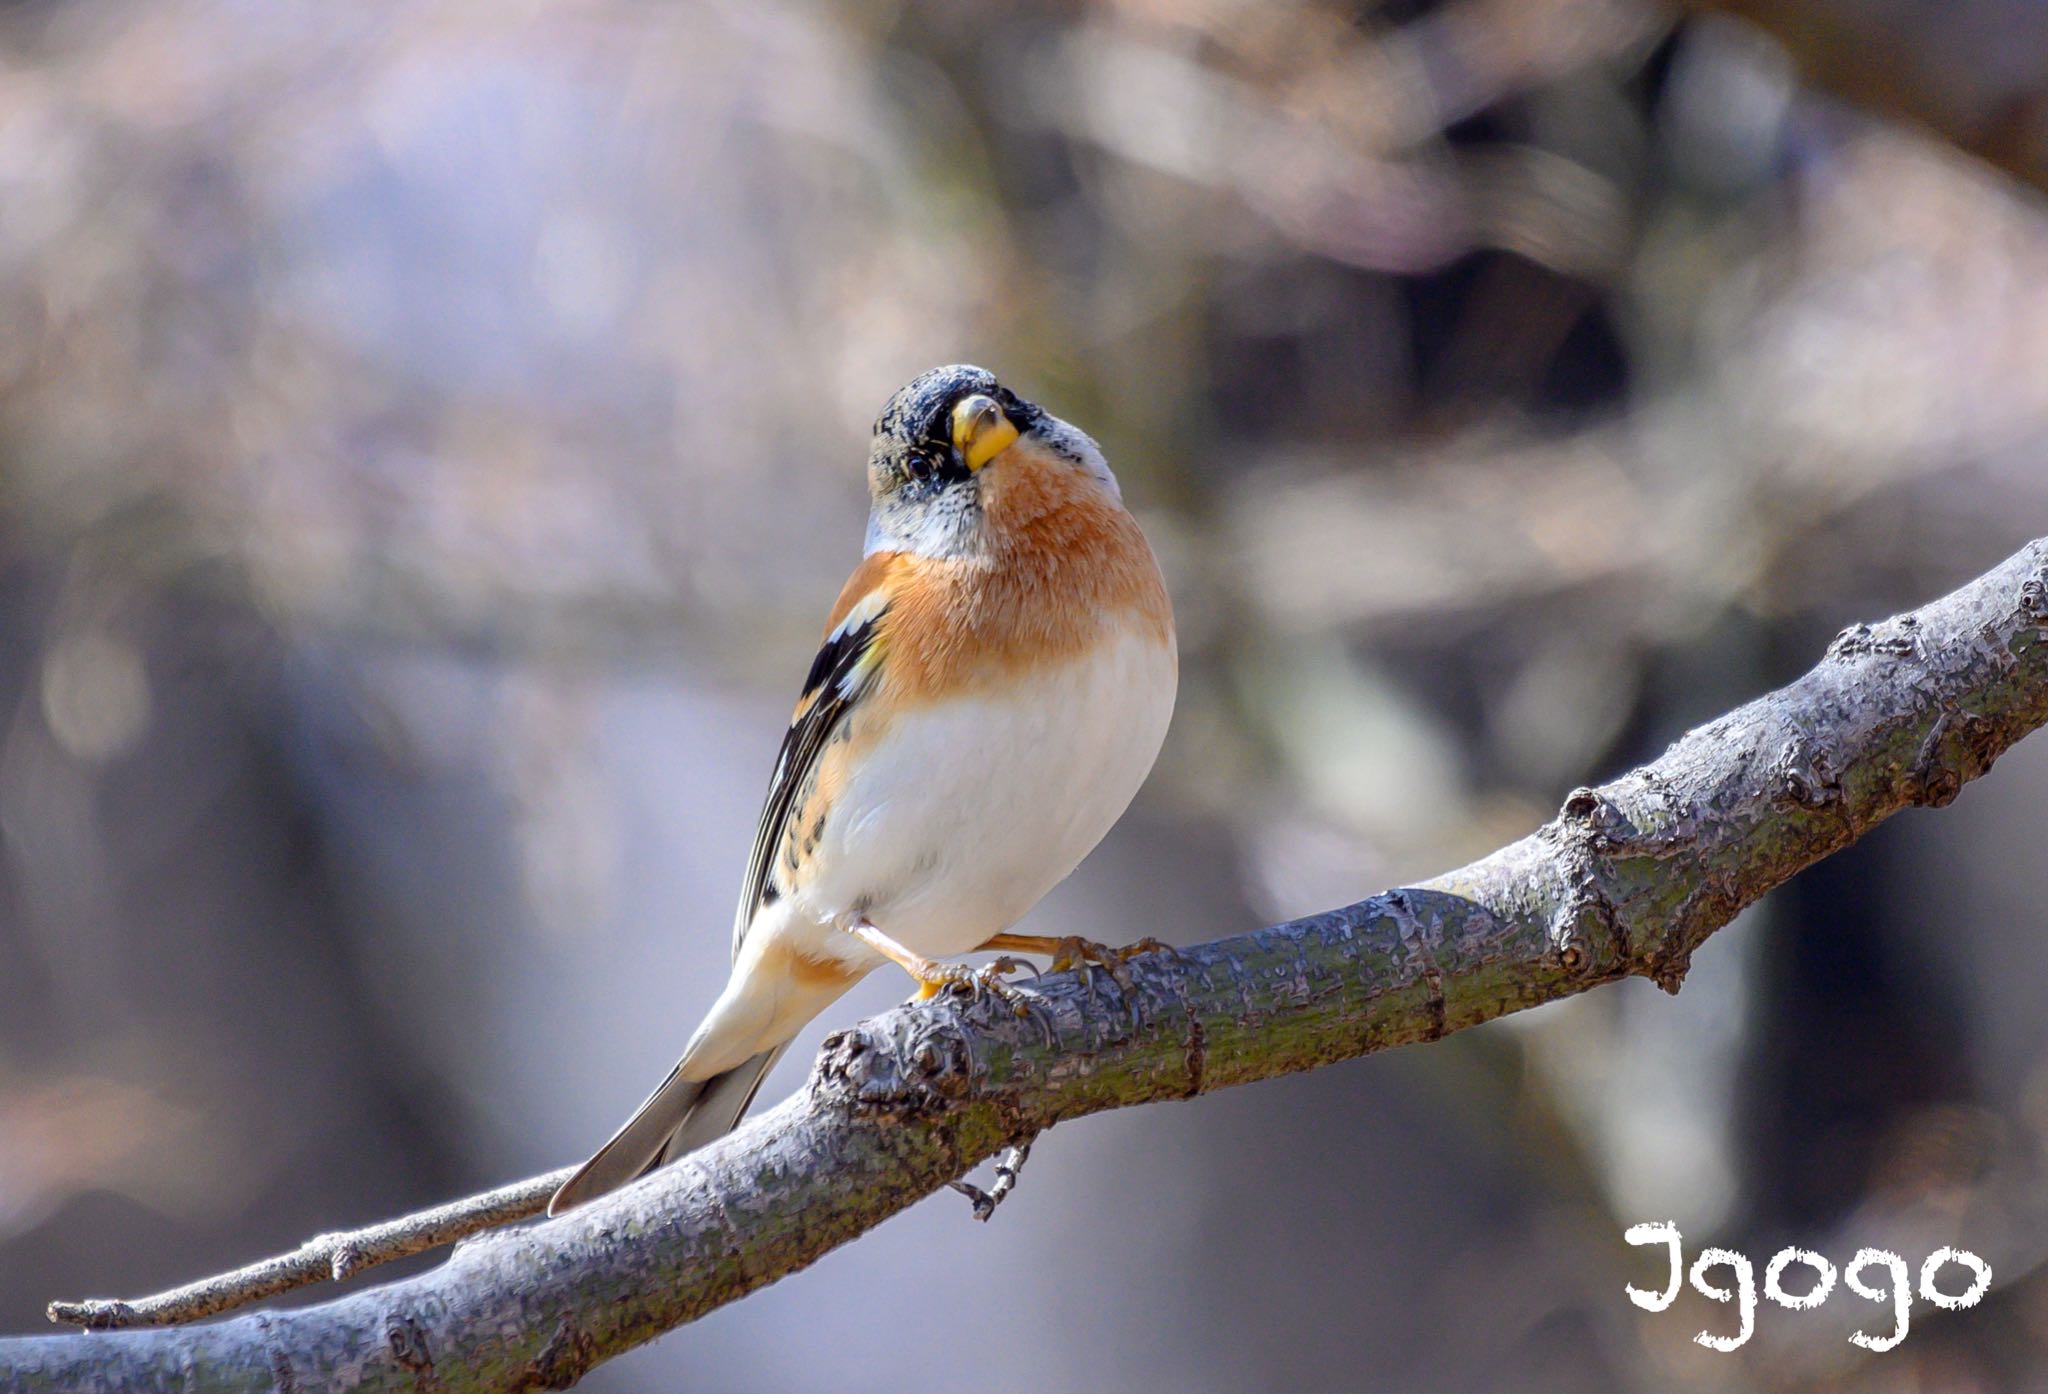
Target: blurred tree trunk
x=1969 y=70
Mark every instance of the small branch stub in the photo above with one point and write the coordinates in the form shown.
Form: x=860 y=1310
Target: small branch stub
x=1008 y=1166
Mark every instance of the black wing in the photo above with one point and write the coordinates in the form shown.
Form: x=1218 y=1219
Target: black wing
x=838 y=676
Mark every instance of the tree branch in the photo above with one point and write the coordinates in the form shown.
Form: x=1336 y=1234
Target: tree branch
x=335 y=1256
x=1629 y=879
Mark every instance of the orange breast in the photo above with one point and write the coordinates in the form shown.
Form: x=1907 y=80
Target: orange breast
x=1066 y=567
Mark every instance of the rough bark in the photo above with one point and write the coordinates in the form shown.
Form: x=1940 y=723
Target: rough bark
x=1628 y=879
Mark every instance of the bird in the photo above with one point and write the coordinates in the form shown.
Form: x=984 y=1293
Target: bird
x=994 y=684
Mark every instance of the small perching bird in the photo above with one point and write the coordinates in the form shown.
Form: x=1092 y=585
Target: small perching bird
x=993 y=687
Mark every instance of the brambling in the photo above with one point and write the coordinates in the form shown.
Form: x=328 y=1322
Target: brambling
x=993 y=687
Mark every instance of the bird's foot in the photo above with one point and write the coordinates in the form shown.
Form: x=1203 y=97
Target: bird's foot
x=1072 y=951
x=989 y=979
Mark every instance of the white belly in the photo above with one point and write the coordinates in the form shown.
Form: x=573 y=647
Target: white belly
x=969 y=811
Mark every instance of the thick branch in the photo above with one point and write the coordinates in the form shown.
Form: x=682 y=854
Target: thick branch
x=1629 y=879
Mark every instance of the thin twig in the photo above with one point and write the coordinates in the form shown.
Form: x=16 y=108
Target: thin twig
x=327 y=1256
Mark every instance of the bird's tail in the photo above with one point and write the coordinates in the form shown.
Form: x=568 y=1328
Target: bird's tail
x=679 y=1117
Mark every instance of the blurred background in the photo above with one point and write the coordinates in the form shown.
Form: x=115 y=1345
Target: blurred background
x=431 y=434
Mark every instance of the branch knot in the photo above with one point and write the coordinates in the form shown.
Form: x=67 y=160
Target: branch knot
x=407 y=1338
x=1584 y=928
x=917 y=1068
x=2034 y=597
x=1893 y=638
x=565 y=1359
x=1669 y=972
x=1805 y=773
x=1595 y=823
x=1960 y=746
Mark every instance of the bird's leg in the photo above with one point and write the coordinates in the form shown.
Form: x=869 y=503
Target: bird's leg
x=1072 y=951
x=934 y=977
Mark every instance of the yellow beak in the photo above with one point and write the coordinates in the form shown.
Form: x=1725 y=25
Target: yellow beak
x=980 y=430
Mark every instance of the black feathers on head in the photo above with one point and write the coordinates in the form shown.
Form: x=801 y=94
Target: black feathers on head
x=920 y=414
x=919 y=419
x=913 y=454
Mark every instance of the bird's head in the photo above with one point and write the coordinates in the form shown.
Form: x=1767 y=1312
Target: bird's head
x=943 y=442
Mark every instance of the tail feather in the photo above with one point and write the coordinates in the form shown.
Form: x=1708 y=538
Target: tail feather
x=720 y=1107
x=679 y=1117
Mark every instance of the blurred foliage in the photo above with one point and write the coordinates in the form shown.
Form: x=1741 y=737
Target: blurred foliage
x=430 y=434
